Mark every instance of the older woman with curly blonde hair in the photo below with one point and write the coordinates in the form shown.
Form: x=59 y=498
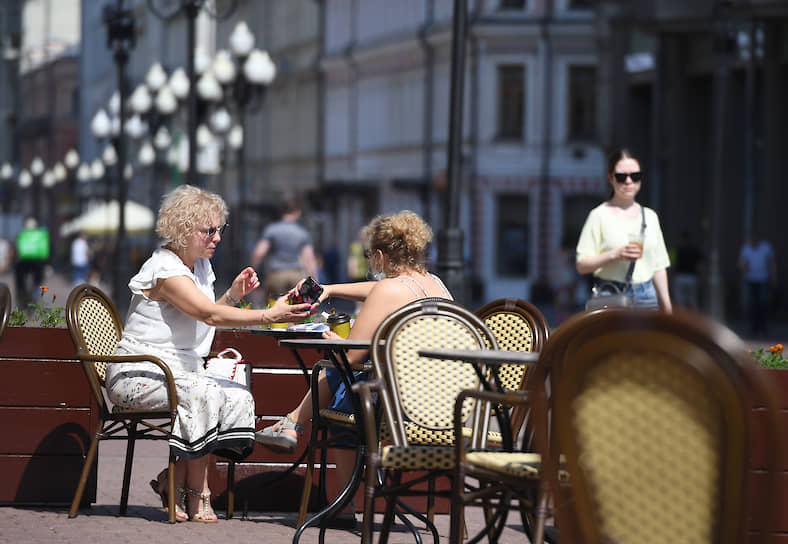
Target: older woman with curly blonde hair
x=173 y=315
x=397 y=249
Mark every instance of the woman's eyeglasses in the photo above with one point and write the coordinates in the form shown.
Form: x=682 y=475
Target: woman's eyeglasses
x=211 y=231
x=622 y=178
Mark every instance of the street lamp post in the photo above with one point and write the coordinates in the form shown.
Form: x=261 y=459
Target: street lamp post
x=71 y=162
x=119 y=21
x=101 y=127
x=154 y=102
x=37 y=169
x=83 y=176
x=166 y=10
x=450 y=237
x=244 y=78
x=48 y=181
x=7 y=177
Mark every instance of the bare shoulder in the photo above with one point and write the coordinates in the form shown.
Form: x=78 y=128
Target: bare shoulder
x=389 y=287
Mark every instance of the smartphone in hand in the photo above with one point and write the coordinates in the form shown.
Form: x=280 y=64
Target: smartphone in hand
x=309 y=292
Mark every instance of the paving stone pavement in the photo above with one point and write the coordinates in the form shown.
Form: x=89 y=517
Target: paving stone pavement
x=147 y=522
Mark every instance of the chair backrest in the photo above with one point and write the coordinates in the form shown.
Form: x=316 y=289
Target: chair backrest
x=419 y=393
x=517 y=325
x=5 y=307
x=95 y=328
x=653 y=414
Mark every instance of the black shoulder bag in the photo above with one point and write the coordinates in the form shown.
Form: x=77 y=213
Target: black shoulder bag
x=605 y=294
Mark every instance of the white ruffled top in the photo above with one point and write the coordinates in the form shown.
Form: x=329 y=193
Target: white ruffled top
x=159 y=324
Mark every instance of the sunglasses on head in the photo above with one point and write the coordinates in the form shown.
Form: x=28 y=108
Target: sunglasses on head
x=211 y=231
x=622 y=178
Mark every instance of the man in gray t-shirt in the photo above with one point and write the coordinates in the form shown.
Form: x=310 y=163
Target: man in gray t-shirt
x=287 y=250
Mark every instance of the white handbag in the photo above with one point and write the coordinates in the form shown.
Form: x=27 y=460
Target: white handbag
x=229 y=365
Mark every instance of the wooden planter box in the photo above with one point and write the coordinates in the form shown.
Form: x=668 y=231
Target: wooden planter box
x=764 y=441
x=47 y=416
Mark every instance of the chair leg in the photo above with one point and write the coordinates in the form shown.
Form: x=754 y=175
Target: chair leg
x=306 y=492
x=83 y=478
x=230 y=489
x=431 y=500
x=457 y=516
x=124 y=493
x=388 y=516
x=541 y=515
x=369 y=499
x=171 y=496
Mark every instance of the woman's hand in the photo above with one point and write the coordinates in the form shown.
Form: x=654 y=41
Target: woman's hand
x=323 y=296
x=331 y=335
x=282 y=312
x=630 y=252
x=244 y=283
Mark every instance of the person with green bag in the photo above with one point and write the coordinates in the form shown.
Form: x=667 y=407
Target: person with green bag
x=32 y=252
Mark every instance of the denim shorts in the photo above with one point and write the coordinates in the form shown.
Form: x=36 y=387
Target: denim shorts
x=644 y=295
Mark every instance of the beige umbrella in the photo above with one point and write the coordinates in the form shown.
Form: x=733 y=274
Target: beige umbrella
x=104 y=219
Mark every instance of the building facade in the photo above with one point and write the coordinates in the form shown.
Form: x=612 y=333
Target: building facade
x=531 y=164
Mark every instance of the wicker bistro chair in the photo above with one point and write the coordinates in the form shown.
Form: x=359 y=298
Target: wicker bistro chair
x=500 y=475
x=653 y=414
x=417 y=396
x=95 y=328
x=517 y=325
x=5 y=307
x=347 y=435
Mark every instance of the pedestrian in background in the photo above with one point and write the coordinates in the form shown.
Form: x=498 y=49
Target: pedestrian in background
x=759 y=270
x=80 y=259
x=605 y=248
x=286 y=250
x=32 y=252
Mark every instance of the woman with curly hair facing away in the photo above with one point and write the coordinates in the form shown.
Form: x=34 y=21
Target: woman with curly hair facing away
x=173 y=315
x=396 y=252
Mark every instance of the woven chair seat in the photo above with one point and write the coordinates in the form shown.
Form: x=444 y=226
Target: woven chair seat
x=418 y=457
x=516 y=464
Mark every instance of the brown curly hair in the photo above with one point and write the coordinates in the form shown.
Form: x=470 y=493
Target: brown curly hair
x=403 y=237
x=186 y=209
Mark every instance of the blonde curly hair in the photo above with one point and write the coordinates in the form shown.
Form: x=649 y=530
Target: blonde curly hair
x=403 y=238
x=186 y=209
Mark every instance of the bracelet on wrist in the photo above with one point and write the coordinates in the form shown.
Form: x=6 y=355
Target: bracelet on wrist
x=230 y=298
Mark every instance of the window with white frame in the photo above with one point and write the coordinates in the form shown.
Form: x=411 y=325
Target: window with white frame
x=511 y=101
x=581 y=110
x=512 y=235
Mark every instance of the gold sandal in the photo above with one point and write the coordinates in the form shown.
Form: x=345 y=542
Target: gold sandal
x=159 y=486
x=205 y=513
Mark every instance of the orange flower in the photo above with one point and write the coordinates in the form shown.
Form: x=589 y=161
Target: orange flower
x=776 y=349
x=43 y=288
x=54 y=297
